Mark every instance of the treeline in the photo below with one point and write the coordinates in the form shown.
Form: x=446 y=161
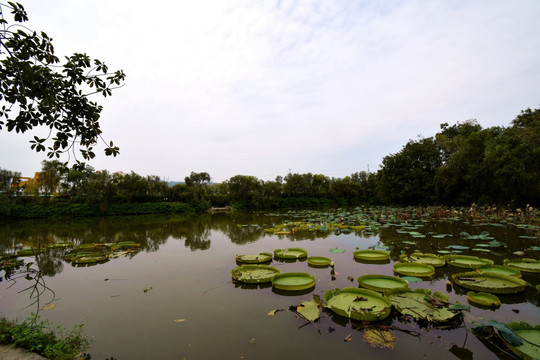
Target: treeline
x=460 y=165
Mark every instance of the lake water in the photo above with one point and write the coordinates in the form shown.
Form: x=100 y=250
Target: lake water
x=183 y=273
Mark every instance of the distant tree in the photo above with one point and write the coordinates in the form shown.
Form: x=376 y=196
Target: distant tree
x=407 y=177
x=50 y=176
x=7 y=179
x=35 y=91
x=245 y=190
x=197 y=183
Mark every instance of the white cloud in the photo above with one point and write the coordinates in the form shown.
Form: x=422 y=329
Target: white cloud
x=256 y=88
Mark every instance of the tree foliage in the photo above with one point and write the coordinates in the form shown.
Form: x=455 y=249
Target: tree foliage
x=37 y=91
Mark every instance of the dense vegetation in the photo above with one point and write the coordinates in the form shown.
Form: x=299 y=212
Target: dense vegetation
x=461 y=165
x=38 y=336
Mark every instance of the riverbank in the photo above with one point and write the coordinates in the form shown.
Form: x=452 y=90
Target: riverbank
x=10 y=352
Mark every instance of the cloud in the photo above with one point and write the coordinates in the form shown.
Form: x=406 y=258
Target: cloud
x=258 y=88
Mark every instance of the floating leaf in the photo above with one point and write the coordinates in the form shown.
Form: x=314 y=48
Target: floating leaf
x=272 y=313
x=336 y=250
x=309 y=310
x=179 y=320
x=412 y=279
x=380 y=338
x=49 y=306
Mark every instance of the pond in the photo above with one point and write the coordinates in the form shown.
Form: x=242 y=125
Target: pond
x=174 y=297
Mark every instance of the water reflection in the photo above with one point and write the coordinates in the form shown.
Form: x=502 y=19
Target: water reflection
x=184 y=244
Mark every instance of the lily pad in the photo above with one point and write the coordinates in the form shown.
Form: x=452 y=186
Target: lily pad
x=424 y=258
x=382 y=283
x=290 y=253
x=254 y=274
x=527 y=265
x=319 y=261
x=254 y=259
x=293 y=281
x=421 y=306
x=489 y=282
x=530 y=347
x=414 y=269
x=501 y=269
x=337 y=250
x=371 y=255
x=466 y=261
x=412 y=279
x=484 y=299
x=309 y=310
x=358 y=304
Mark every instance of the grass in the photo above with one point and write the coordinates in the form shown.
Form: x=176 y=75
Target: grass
x=38 y=336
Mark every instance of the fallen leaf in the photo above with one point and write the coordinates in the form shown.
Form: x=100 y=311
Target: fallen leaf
x=272 y=313
x=179 y=320
x=309 y=310
x=380 y=338
x=49 y=307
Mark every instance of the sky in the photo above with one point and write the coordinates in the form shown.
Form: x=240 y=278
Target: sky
x=264 y=88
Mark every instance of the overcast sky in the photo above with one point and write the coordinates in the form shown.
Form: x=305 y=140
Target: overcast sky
x=266 y=87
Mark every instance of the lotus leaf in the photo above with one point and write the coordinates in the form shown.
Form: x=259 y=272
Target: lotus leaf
x=254 y=274
x=505 y=332
x=319 y=261
x=371 y=255
x=336 y=250
x=382 y=283
x=457 y=247
x=293 y=281
x=484 y=299
x=501 y=269
x=412 y=279
x=358 y=304
x=490 y=282
x=527 y=265
x=466 y=261
x=309 y=310
x=414 y=269
x=530 y=347
x=421 y=306
x=290 y=253
x=424 y=258
x=254 y=259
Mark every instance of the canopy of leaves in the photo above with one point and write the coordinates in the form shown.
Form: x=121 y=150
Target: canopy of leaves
x=37 y=91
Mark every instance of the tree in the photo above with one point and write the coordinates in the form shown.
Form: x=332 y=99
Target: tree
x=407 y=178
x=197 y=183
x=35 y=91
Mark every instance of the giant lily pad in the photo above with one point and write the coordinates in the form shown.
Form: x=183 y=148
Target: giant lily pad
x=421 y=306
x=527 y=265
x=490 y=282
x=371 y=255
x=319 y=261
x=466 y=261
x=293 y=281
x=383 y=283
x=358 y=304
x=254 y=259
x=484 y=299
x=414 y=269
x=530 y=347
x=501 y=269
x=254 y=274
x=290 y=253
x=424 y=258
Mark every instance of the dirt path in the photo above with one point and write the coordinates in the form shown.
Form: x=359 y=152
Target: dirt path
x=9 y=352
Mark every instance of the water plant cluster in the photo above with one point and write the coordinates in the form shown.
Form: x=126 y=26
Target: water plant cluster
x=377 y=294
x=79 y=255
x=38 y=336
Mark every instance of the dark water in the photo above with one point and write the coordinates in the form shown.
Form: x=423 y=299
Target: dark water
x=183 y=272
